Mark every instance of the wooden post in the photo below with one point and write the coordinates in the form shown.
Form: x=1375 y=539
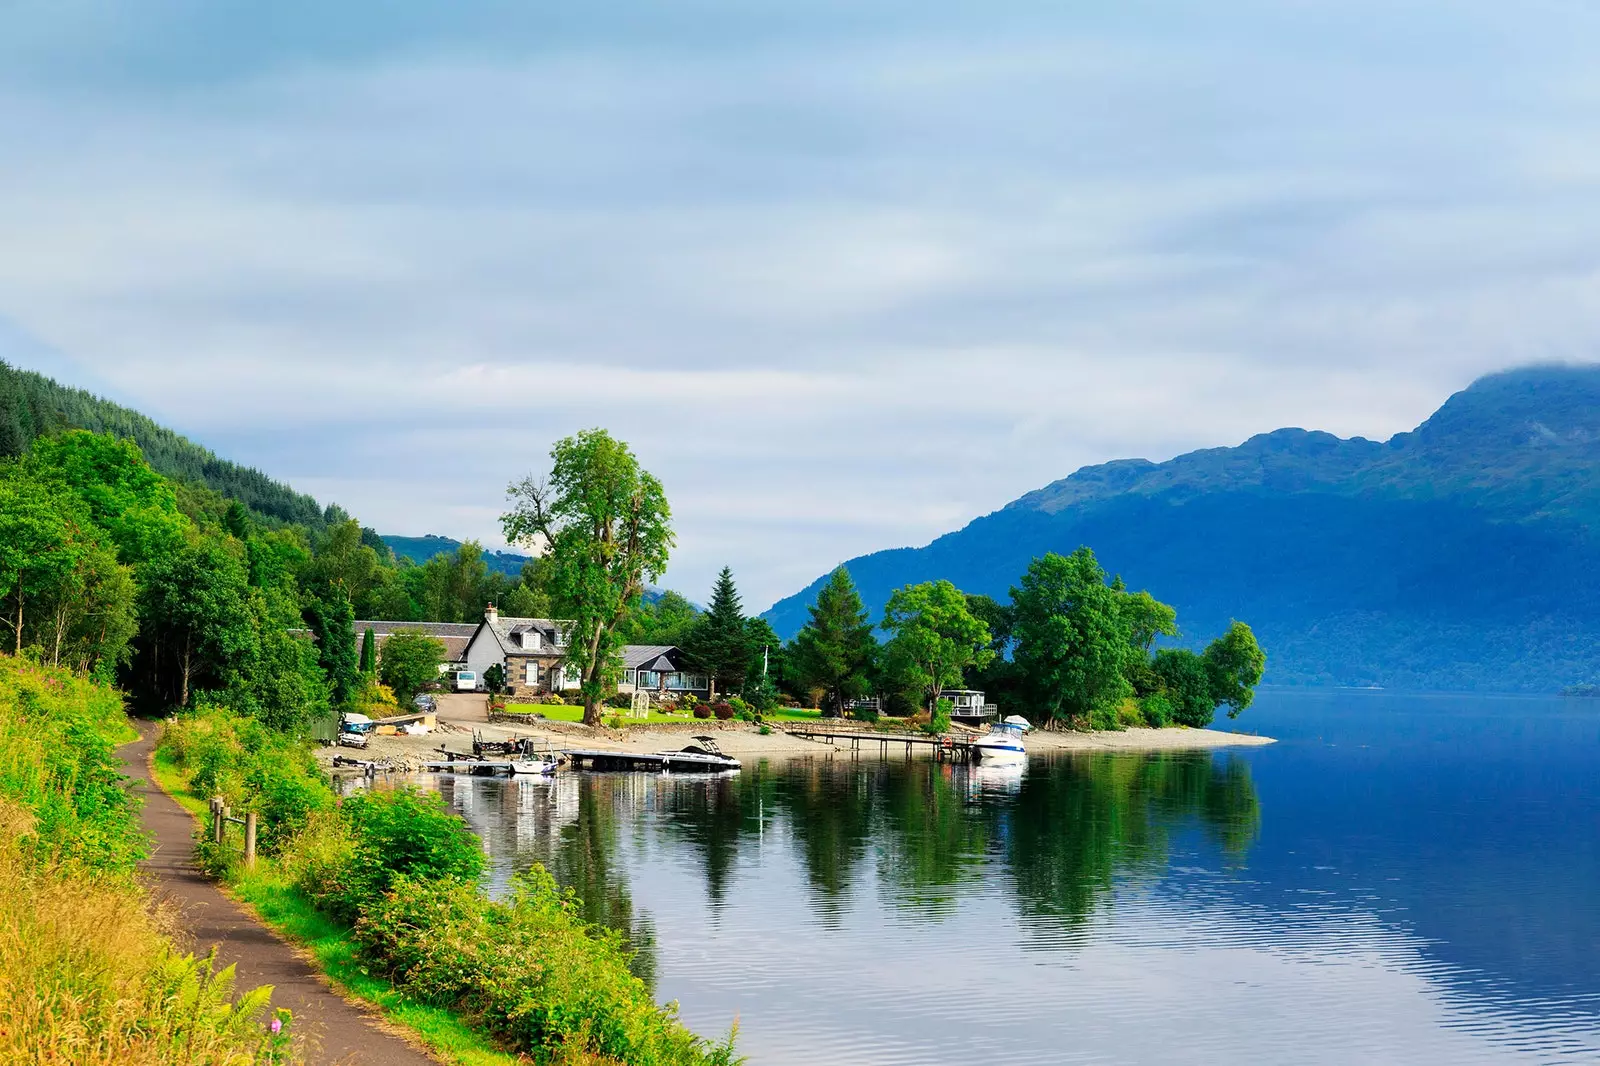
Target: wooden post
x=250 y=838
x=219 y=816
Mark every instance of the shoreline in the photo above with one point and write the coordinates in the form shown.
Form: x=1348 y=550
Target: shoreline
x=746 y=741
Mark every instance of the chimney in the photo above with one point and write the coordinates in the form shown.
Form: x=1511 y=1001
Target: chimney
x=491 y=615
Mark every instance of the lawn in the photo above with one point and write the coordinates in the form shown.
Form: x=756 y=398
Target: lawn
x=556 y=712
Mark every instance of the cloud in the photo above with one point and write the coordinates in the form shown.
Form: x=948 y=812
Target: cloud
x=845 y=278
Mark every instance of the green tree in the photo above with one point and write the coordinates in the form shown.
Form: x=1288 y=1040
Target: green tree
x=195 y=612
x=608 y=529
x=333 y=623
x=719 y=642
x=668 y=619
x=409 y=661
x=834 y=650
x=342 y=559
x=767 y=664
x=39 y=545
x=369 y=652
x=1185 y=686
x=1234 y=664
x=90 y=616
x=1073 y=644
x=135 y=505
x=936 y=638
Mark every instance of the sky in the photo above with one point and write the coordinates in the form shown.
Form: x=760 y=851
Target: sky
x=846 y=275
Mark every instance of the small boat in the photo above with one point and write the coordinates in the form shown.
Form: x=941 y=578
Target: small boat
x=1002 y=742
x=539 y=765
x=703 y=756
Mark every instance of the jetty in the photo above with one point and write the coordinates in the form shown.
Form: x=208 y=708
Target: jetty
x=943 y=748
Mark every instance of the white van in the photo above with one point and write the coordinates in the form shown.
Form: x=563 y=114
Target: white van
x=466 y=681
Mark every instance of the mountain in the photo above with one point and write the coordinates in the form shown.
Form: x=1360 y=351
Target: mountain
x=420 y=549
x=32 y=405
x=1462 y=555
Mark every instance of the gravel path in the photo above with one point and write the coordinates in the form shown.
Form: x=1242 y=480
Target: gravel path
x=337 y=1033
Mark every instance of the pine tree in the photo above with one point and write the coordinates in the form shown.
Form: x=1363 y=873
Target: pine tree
x=719 y=643
x=369 y=652
x=834 y=650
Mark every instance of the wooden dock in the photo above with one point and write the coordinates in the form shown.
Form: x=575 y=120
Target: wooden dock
x=943 y=748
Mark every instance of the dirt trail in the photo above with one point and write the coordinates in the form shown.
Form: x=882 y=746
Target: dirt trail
x=338 y=1033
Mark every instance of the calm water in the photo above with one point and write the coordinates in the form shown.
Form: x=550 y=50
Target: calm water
x=1403 y=879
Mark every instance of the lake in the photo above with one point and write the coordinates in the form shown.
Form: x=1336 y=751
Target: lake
x=1401 y=878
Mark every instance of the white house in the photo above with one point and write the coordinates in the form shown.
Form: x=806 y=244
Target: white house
x=531 y=651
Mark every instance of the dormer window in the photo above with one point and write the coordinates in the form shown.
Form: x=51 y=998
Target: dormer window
x=530 y=639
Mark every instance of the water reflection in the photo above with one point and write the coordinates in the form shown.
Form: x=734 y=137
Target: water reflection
x=1062 y=830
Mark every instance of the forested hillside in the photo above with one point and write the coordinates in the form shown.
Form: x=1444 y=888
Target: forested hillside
x=421 y=549
x=32 y=405
x=1461 y=555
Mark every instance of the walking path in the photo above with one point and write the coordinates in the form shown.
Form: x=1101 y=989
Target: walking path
x=338 y=1034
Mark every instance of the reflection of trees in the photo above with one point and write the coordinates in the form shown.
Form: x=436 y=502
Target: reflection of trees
x=584 y=859
x=829 y=807
x=713 y=814
x=933 y=839
x=1078 y=822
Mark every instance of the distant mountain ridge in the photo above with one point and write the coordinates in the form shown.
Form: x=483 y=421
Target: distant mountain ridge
x=1461 y=555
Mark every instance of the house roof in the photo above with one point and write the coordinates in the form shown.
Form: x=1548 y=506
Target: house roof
x=645 y=656
x=507 y=627
x=454 y=635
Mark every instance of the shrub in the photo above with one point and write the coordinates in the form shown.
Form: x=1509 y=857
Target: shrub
x=940 y=720
x=723 y=711
x=614 y=722
x=620 y=700
x=1156 y=709
x=702 y=711
x=542 y=981
x=864 y=714
x=1128 y=714
x=552 y=699
x=765 y=730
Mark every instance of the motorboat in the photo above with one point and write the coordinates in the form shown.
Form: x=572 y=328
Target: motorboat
x=538 y=765
x=1003 y=742
x=703 y=756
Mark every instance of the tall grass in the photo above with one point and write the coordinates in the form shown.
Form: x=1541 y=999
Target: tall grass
x=89 y=971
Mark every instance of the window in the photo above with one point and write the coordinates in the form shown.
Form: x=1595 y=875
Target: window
x=532 y=673
x=649 y=679
x=630 y=677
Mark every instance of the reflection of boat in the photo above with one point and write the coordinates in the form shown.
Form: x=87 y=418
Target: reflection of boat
x=1003 y=742
x=1002 y=776
x=701 y=756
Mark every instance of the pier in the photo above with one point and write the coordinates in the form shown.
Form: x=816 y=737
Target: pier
x=943 y=748
x=658 y=762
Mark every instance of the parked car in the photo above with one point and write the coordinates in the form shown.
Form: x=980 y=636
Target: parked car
x=425 y=702
x=352 y=740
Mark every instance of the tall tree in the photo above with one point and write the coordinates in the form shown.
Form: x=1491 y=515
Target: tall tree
x=196 y=613
x=369 y=652
x=834 y=650
x=606 y=527
x=719 y=642
x=135 y=505
x=936 y=638
x=1073 y=642
x=38 y=545
x=333 y=622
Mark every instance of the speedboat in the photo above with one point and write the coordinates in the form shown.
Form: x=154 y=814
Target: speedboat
x=542 y=765
x=703 y=756
x=1003 y=742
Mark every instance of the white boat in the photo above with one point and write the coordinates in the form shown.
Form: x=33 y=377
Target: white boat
x=542 y=765
x=700 y=757
x=1003 y=742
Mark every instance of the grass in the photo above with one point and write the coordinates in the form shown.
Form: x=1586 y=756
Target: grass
x=284 y=908
x=557 y=712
